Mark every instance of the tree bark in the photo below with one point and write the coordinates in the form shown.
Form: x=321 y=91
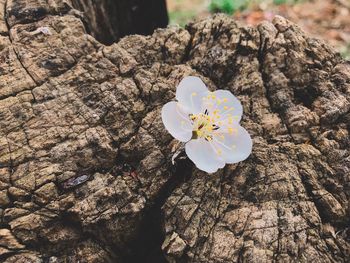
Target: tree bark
x=85 y=161
x=109 y=20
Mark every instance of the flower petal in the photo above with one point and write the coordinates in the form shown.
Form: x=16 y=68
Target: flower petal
x=176 y=121
x=234 y=146
x=225 y=104
x=203 y=155
x=190 y=92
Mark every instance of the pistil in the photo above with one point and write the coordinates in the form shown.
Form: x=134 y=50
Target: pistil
x=203 y=126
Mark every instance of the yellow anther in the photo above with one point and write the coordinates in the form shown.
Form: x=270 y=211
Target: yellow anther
x=236 y=117
x=218 y=101
x=194 y=94
x=225 y=107
x=213 y=97
x=204 y=124
x=222 y=137
x=232 y=130
x=224 y=99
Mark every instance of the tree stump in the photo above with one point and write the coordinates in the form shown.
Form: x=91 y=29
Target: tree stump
x=85 y=162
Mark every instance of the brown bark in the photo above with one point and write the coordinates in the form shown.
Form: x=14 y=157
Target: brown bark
x=85 y=162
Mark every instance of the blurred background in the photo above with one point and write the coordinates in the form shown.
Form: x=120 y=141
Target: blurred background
x=326 y=19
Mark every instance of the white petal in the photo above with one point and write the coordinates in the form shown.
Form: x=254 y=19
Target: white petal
x=190 y=92
x=226 y=104
x=176 y=121
x=203 y=155
x=235 y=146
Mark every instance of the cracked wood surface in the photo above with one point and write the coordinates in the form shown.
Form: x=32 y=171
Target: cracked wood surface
x=72 y=109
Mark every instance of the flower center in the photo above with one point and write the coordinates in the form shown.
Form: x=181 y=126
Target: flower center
x=203 y=126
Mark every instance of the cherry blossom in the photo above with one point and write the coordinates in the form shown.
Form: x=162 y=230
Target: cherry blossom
x=208 y=122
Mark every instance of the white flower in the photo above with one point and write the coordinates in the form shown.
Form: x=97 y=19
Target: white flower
x=209 y=124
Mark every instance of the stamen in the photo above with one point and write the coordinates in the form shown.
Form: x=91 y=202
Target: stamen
x=232 y=130
x=215 y=127
x=209 y=138
x=192 y=117
x=230 y=118
x=230 y=109
x=204 y=125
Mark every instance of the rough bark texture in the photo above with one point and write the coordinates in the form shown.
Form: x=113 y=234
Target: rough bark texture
x=85 y=162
